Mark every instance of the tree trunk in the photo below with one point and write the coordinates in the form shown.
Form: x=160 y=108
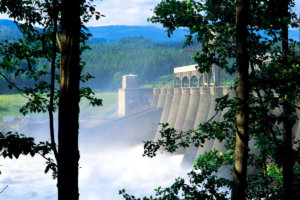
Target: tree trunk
x=288 y=154
x=242 y=113
x=68 y=153
x=287 y=111
x=52 y=85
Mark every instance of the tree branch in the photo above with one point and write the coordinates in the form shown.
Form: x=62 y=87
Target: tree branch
x=51 y=123
x=15 y=86
x=3 y=189
x=270 y=133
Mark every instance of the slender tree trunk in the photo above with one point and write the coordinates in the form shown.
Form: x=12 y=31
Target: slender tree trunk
x=287 y=111
x=242 y=113
x=53 y=62
x=288 y=154
x=68 y=153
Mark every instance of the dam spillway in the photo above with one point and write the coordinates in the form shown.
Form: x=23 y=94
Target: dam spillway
x=183 y=107
x=203 y=107
x=189 y=108
x=192 y=109
x=174 y=107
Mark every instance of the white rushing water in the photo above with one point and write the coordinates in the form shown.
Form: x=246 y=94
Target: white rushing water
x=104 y=170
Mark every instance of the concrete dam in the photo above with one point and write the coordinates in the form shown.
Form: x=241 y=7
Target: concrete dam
x=183 y=108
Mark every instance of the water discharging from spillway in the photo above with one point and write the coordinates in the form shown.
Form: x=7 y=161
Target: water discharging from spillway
x=106 y=166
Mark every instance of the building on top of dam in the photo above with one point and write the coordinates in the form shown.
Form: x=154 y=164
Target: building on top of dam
x=189 y=76
x=190 y=102
x=132 y=99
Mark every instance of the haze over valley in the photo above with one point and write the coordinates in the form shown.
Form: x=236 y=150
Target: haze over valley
x=139 y=110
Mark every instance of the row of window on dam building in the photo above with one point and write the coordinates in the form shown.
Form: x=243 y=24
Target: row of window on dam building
x=132 y=99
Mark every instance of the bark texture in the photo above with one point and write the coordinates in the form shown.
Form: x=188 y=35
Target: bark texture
x=287 y=111
x=242 y=113
x=68 y=153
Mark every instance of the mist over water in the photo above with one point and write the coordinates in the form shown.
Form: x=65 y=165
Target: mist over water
x=107 y=164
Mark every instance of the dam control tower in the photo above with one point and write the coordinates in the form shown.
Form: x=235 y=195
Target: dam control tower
x=131 y=98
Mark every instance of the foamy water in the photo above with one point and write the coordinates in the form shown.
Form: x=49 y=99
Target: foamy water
x=104 y=170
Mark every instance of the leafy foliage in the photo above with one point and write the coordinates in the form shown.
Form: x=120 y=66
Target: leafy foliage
x=35 y=56
x=12 y=145
x=274 y=86
x=108 y=62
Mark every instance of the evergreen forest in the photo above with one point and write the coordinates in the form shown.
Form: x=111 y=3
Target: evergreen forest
x=153 y=61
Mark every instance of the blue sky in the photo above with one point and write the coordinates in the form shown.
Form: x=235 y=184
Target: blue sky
x=129 y=12
x=132 y=12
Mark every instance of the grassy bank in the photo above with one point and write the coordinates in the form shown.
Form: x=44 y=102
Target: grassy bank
x=11 y=104
x=108 y=110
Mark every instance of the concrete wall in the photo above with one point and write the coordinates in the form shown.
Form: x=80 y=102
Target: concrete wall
x=296 y=128
x=201 y=117
x=190 y=71
x=216 y=92
x=184 y=109
x=170 y=109
x=192 y=109
x=165 y=111
x=162 y=97
x=130 y=130
x=156 y=93
x=203 y=107
x=133 y=100
x=174 y=107
x=217 y=144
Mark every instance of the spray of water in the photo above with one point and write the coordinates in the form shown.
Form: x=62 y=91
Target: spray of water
x=104 y=170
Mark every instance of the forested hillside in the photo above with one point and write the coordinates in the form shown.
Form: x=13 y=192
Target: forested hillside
x=147 y=52
x=108 y=62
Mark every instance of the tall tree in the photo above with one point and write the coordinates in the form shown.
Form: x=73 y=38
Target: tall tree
x=242 y=92
x=63 y=23
x=274 y=85
x=288 y=109
x=68 y=125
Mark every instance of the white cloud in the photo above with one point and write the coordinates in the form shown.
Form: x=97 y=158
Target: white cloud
x=297 y=5
x=133 y=11
x=142 y=1
x=129 y=12
x=4 y=16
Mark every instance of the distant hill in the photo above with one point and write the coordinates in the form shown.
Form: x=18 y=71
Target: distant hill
x=115 y=33
x=8 y=31
x=8 y=23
